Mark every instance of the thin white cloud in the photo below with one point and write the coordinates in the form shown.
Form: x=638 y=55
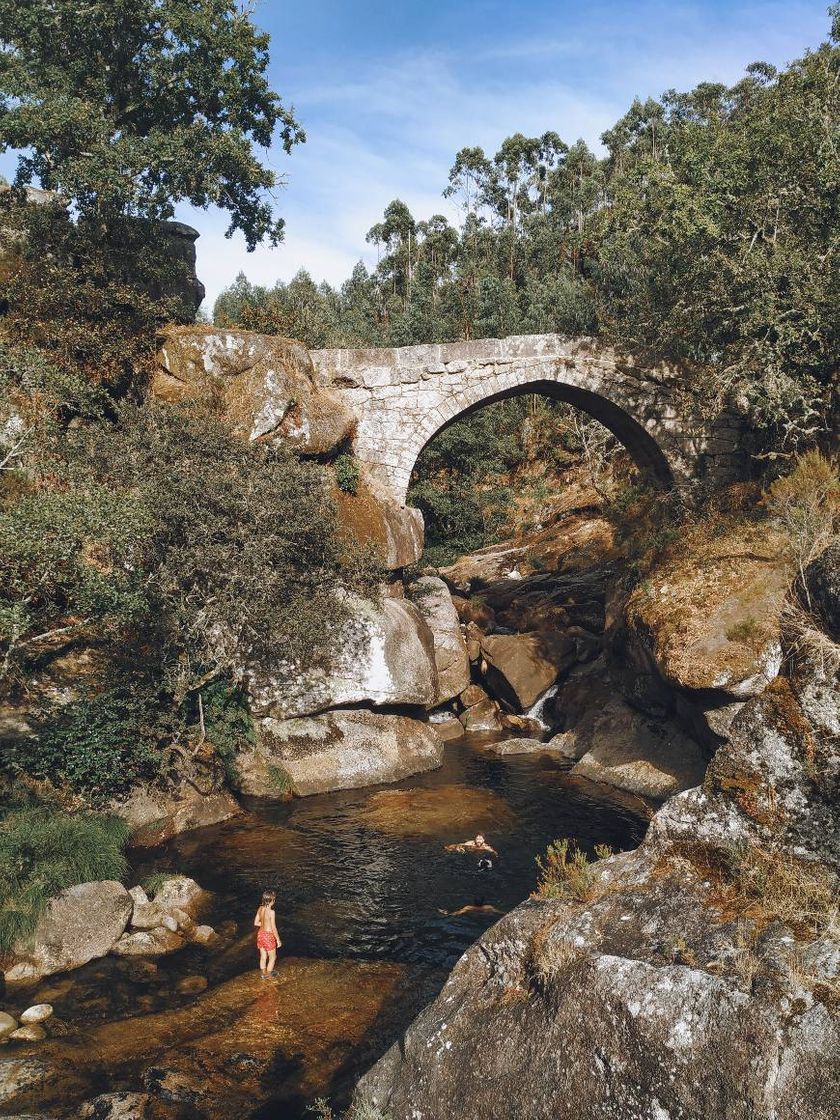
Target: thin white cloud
x=392 y=129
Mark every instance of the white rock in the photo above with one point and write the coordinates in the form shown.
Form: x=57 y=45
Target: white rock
x=39 y=1013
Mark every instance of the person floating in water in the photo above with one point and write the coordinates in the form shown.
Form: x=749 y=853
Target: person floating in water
x=268 y=939
x=477 y=906
x=479 y=844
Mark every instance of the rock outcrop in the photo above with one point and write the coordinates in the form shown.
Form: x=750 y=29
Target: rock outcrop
x=431 y=597
x=81 y=923
x=706 y=960
x=265 y=385
x=375 y=519
x=522 y=667
x=610 y=741
x=388 y=659
x=338 y=750
x=822 y=588
x=710 y=619
x=156 y=815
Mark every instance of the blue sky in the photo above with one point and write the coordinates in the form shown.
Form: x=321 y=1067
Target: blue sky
x=388 y=92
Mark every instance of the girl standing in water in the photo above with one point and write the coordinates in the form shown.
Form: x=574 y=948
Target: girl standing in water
x=268 y=939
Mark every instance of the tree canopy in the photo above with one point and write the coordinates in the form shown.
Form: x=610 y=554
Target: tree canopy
x=707 y=236
x=129 y=106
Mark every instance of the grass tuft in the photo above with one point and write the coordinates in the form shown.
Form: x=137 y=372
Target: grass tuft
x=566 y=871
x=42 y=852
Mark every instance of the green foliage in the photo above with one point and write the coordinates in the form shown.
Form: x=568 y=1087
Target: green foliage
x=155 y=880
x=462 y=478
x=42 y=852
x=180 y=551
x=227 y=720
x=566 y=872
x=128 y=107
x=88 y=295
x=745 y=630
x=281 y=780
x=346 y=468
x=99 y=745
x=168 y=528
x=708 y=236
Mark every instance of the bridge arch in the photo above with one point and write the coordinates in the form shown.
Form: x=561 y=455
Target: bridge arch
x=642 y=447
x=402 y=397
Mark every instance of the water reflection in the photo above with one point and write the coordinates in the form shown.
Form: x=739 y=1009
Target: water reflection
x=363 y=873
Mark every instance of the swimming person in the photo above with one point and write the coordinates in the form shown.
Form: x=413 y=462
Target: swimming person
x=477 y=906
x=479 y=844
x=268 y=939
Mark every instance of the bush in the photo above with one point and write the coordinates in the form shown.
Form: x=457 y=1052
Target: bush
x=347 y=473
x=806 y=504
x=566 y=872
x=42 y=852
x=99 y=745
x=227 y=722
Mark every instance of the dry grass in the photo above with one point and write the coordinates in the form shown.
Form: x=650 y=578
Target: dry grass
x=801 y=894
x=566 y=871
x=547 y=957
x=767 y=885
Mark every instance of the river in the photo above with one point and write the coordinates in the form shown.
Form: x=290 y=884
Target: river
x=361 y=877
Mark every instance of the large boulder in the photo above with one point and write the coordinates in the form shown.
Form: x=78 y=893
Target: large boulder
x=338 y=750
x=612 y=742
x=148 y=943
x=265 y=385
x=388 y=658
x=710 y=618
x=374 y=517
x=431 y=597
x=522 y=667
x=81 y=923
x=706 y=961
x=156 y=815
x=552 y=1017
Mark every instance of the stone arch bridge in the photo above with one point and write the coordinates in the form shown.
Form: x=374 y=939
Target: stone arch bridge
x=402 y=397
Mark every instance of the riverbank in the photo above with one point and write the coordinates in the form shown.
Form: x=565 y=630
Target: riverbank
x=361 y=876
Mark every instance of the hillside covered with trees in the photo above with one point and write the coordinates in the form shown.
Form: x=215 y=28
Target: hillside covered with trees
x=708 y=234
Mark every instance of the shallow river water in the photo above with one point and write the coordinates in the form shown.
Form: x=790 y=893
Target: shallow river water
x=361 y=877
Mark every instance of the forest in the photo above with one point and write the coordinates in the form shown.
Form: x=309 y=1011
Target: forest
x=707 y=235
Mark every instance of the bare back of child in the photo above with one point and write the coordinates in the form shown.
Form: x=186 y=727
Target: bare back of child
x=268 y=939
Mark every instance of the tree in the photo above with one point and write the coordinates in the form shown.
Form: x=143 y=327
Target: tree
x=130 y=106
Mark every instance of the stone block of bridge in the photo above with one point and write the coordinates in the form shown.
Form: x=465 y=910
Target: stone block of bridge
x=403 y=396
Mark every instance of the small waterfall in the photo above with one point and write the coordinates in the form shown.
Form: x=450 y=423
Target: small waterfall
x=536 y=710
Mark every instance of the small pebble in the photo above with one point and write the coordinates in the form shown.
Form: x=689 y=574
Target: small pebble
x=33 y=1032
x=37 y=1014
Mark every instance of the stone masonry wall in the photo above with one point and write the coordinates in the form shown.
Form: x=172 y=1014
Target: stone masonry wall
x=404 y=396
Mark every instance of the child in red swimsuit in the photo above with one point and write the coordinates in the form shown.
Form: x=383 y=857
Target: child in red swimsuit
x=268 y=939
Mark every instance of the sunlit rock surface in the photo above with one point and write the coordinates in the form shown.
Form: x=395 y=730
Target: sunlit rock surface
x=232 y=1048
x=342 y=749
x=431 y=597
x=387 y=658
x=695 y=977
x=81 y=923
x=265 y=384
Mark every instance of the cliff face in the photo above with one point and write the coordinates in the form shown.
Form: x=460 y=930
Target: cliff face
x=693 y=978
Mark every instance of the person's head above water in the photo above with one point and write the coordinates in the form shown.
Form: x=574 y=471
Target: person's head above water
x=268 y=898
x=479 y=838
